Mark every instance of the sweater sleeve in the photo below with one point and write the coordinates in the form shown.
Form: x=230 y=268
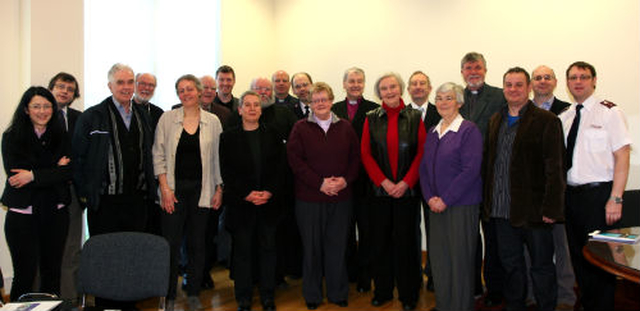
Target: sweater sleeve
x=471 y=162
x=370 y=165
x=412 y=175
x=424 y=172
x=297 y=158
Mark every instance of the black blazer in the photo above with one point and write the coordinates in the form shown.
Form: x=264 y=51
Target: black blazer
x=340 y=109
x=558 y=106
x=490 y=100
x=39 y=155
x=240 y=176
x=431 y=118
x=72 y=118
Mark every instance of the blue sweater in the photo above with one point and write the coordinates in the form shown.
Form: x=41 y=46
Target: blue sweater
x=450 y=167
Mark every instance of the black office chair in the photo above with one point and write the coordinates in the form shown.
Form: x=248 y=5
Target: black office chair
x=124 y=266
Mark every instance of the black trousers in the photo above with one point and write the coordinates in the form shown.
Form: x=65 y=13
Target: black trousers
x=393 y=244
x=539 y=243
x=585 y=213
x=324 y=228
x=36 y=243
x=359 y=250
x=494 y=274
x=254 y=240
x=191 y=220
x=116 y=213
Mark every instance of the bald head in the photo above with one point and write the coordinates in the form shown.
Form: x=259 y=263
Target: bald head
x=281 y=83
x=543 y=82
x=208 y=90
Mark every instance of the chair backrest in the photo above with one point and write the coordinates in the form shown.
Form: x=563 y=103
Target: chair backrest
x=124 y=266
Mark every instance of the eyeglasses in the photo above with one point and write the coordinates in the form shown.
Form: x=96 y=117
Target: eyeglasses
x=39 y=107
x=263 y=89
x=545 y=77
x=300 y=86
x=64 y=87
x=321 y=100
x=144 y=84
x=581 y=78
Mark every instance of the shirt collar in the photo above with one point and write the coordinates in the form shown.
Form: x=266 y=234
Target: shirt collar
x=453 y=127
x=589 y=102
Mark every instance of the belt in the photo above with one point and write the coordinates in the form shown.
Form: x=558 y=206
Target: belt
x=588 y=186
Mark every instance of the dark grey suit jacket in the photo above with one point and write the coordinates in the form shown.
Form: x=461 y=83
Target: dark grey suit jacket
x=490 y=100
x=558 y=106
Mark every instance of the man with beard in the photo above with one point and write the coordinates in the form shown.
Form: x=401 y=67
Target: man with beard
x=481 y=101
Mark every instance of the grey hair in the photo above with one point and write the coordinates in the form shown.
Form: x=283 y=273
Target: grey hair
x=192 y=78
x=388 y=75
x=351 y=70
x=473 y=57
x=116 y=68
x=146 y=73
x=248 y=93
x=455 y=88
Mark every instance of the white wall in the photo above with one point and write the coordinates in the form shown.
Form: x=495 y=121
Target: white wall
x=324 y=38
x=43 y=37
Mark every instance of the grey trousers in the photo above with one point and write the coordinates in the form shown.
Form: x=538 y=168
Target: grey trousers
x=71 y=255
x=324 y=229
x=564 y=269
x=452 y=250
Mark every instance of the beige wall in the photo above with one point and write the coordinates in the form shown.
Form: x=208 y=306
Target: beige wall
x=42 y=37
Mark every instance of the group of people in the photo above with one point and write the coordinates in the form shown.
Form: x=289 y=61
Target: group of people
x=296 y=180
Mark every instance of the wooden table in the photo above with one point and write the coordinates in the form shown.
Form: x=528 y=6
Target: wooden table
x=617 y=258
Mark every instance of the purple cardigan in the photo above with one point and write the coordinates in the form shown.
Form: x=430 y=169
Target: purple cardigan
x=450 y=167
x=314 y=155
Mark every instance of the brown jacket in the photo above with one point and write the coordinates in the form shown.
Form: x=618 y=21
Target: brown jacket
x=537 y=167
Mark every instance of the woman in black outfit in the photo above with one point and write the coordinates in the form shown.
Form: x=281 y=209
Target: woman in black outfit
x=252 y=164
x=35 y=152
x=185 y=160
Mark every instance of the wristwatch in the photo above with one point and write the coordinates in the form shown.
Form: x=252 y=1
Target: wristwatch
x=615 y=199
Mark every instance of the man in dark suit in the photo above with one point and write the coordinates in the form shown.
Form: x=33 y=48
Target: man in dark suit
x=144 y=90
x=481 y=101
x=301 y=83
x=544 y=83
x=419 y=88
x=524 y=191
x=281 y=86
x=65 y=89
x=354 y=108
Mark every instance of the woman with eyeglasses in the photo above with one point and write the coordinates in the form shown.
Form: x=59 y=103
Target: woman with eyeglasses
x=323 y=152
x=35 y=152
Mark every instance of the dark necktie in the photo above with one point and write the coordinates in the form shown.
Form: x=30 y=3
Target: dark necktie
x=306 y=111
x=63 y=118
x=573 y=134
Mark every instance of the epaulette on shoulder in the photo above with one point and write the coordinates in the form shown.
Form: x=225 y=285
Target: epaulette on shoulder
x=607 y=104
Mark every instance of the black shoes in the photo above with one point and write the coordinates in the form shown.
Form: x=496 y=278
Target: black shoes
x=342 y=303
x=244 y=305
x=363 y=288
x=268 y=305
x=312 y=305
x=430 y=285
x=378 y=301
x=408 y=306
